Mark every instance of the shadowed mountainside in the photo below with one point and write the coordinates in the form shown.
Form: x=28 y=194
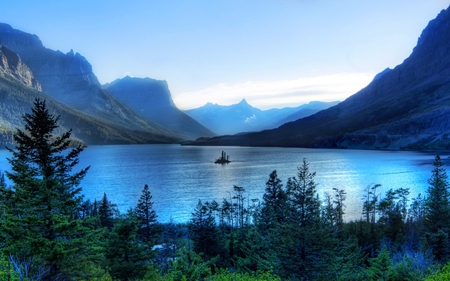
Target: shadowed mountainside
x=407 y=107
x=18 y=89
x=68 y=78
x=152 y=99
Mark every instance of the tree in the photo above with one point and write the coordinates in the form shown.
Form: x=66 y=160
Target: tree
x=127 y=257
x=273 y=208
x=106 y=212
x=303 y=198
x=437 y=205
x=39 y=222
x=146 y=216
x=437 y=211
x=204 y=231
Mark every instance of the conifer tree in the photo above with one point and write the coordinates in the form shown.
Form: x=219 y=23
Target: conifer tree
x=39 y=222
x=106 y=212
x=437 y=205
x=146 y=215
x=127 y=257
x=273 y=208
x=204 y=231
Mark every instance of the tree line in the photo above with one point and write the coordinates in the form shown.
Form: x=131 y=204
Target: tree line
x=49 y=232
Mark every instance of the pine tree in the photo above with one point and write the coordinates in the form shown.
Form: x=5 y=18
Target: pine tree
x=127 y=257
x=437 y=212
x=106 y=212
x=40 y=218
x=273 y=208
x=146 y=216
x=204 y=231
x=303 y=198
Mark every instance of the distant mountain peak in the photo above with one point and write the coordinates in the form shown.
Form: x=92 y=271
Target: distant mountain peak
x=243 y=102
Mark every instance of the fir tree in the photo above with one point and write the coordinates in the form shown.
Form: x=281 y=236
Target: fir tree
x=437 y=212
x=204 y=231
x=127 y=257
x=40 y=223
x=273 y=208
x=146 y=215
x=106 y=212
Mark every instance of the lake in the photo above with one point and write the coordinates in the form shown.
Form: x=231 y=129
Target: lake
x=178 y=176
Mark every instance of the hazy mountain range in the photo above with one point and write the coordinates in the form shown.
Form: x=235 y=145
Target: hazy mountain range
x=407 y=107
x=242 y=117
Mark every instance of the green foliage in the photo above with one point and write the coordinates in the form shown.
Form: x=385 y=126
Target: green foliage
x=437 y=212
x=381 y=266
x=204 y=231
x=39 y=220
x=7 y=271
x=146 y=216
x=126 y=256
x=225 y=275
x=189 y=266
x=442 y=274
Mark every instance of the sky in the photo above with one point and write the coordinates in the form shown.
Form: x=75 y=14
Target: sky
x=273 y=53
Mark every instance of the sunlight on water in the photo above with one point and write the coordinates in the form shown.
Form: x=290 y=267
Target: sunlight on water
x=178 y=176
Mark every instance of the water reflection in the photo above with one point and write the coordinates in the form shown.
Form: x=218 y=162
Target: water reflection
x=178 y=176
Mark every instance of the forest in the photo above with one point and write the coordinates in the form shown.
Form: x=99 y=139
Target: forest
x=48 y=231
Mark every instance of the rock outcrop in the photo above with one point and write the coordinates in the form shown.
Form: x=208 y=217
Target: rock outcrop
x=11 y=64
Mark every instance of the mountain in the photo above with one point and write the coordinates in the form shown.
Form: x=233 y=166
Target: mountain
x=19 y=88
x=68 y=78
x=407 y=107
x=152 y=99
x=11 y=64
x=242 y=117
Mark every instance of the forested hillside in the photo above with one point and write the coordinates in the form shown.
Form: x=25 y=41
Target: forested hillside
x=49 y=232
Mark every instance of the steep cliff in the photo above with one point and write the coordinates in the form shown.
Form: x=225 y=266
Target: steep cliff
x=11 y=64
x=69 y=79
x=152 y=99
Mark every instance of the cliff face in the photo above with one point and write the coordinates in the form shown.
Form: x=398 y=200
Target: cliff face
x=406 y=107
x=68 y=78
x=11 y=64
x=152 y=99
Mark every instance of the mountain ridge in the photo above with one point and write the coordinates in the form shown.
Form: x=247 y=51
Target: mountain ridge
x=242 y=117
x=404 y=108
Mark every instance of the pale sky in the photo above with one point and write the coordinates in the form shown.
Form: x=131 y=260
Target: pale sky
x=273 y=53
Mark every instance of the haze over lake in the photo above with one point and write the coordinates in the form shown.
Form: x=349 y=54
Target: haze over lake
x=178 y=176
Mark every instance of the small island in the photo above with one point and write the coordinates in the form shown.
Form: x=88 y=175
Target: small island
x=224 y=159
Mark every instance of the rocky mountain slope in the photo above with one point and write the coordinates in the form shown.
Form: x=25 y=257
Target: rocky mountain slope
x=152 y=99
x=69 y=79
x=407 y=107
x=19 y=88
x=242 y=117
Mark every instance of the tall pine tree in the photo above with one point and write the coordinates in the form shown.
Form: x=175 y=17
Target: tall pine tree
x=146 y=216
x=39 y=223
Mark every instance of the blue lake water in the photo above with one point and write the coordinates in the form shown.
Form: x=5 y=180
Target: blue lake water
x=178 y=176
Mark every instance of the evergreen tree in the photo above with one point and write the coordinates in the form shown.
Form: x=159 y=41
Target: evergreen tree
x=437 y=212
x=39 y=222
x=204 y=231
x=303 y=198
x=106 y=212
x=273 y=207
x=127 y=257
x=146 y=216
